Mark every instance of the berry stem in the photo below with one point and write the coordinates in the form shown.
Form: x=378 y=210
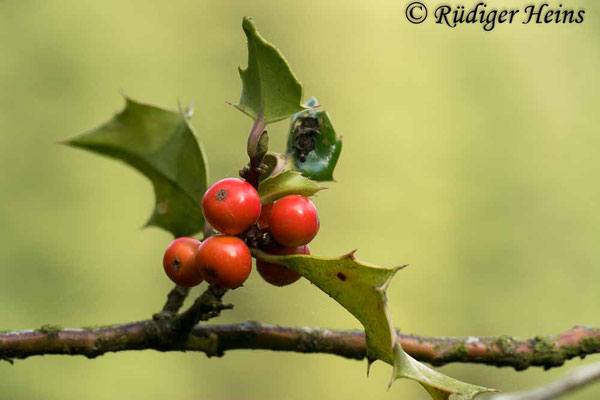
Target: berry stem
x=258 y=144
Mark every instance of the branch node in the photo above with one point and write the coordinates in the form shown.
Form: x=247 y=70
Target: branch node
x=206 y=307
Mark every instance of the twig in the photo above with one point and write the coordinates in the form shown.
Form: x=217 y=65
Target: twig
x=170 y=330
x=547 y=352
x=175 y=300
x=573 y=380
x=207 y=306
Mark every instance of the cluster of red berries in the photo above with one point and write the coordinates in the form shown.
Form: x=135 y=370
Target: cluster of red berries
x=232 y=206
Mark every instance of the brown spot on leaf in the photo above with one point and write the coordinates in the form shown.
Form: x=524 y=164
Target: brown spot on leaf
x=341 y=276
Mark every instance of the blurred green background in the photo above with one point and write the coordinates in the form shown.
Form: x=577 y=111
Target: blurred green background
x=470 y=155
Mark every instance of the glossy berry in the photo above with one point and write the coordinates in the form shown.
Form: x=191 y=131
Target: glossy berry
x=224 y=261
x=276 y=274
x=231 y=206
x=294 y=221
x=263 y=220
x=179 y=262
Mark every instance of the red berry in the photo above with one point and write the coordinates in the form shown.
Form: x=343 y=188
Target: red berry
x=231 y=206
x=276 y=274
x=224 y=261
x=179 y=262
x=263 y=220
x=294 y=221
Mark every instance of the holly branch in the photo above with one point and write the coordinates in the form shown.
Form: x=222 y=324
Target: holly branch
x=268 y=216
x=215 y=340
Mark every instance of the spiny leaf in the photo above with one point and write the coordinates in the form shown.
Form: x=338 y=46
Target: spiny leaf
x=356 y=286
x=313 y=144
x=361 y=289
x=438 y=385
x=287 y=183
x=270 y=90
x=162 y=145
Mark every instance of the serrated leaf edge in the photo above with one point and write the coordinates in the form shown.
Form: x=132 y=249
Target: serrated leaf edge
x=250 y=29
x=128 y=99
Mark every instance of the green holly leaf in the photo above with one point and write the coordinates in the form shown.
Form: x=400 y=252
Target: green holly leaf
x=313 y=144
x=162 y=145
x=286 y=183
x=275 y=164
x=438 y=385
x=361 y=289
x=270 y=90
x=356 y=286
